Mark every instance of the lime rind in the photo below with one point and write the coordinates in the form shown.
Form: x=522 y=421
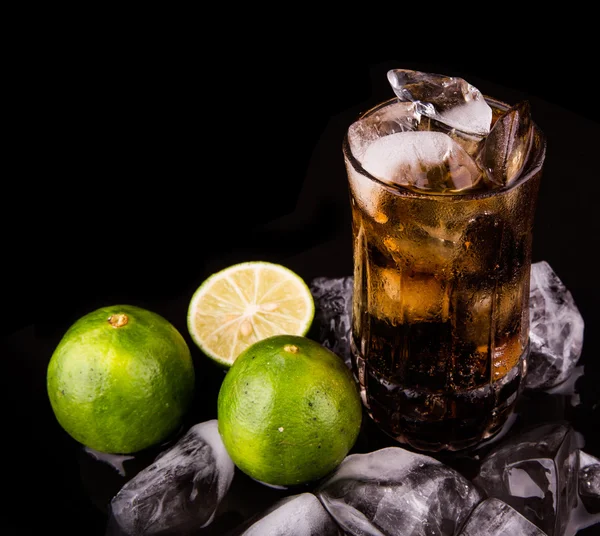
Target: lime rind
x=235 y=295
x=288 y=411
x=121 y=379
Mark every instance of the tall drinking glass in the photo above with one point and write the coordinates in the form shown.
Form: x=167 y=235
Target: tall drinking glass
x=442 y=215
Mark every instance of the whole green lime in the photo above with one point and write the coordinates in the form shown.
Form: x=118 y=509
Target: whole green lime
x=121 y=379
x=288 y=410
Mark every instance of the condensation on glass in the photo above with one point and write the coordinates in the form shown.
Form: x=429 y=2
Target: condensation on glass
x=442 y=258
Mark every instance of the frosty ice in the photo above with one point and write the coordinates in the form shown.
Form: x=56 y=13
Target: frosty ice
x=536 y=482
x=394 y=491
x=452 y=101
x=443 y=185
x=180 y=491
x=296 y=515
x=556 y=329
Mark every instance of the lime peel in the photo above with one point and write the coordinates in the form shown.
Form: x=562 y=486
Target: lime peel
x=288 y=418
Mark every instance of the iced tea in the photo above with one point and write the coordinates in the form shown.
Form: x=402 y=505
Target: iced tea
x=442 y=256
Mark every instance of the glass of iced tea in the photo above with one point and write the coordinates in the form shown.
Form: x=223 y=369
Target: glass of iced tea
x=443 y=186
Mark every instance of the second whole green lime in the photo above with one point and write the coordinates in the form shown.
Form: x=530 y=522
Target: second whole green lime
x=289 y=411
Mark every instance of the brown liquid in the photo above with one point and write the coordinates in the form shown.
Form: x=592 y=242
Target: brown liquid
x=440 y=310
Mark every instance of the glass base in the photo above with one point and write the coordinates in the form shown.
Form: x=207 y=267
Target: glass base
x=434 y=421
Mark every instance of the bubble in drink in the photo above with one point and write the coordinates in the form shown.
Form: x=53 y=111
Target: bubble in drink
x=423 y=160
x=449 y=100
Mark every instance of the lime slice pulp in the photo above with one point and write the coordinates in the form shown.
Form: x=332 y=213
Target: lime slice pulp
x=246 y=303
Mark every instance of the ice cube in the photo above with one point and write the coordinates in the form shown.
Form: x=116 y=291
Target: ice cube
x=449 y=100
x=569 y=389
x=534 y=473
x=589 y=482
x=397 y=117
x=423 y=248
x=333 y=314
x=494 y=517
x=430 y=161
x=507 y=146
x=406 y=297
x=393 y=491
x=296 y=515
x=556 y=330
x=180 y=491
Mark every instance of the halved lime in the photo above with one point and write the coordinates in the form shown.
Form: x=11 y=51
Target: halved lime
x=246 y=303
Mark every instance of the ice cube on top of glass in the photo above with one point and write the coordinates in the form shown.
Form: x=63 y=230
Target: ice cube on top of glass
x=424 y=160
x=440 y=135
x=449 y=100
x=395 y=118
x=507 y=146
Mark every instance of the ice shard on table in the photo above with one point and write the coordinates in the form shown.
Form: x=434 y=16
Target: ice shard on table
x=589 y=482
x=179 y=492
x=556 y=329
x=393 y=491
x=333 y=313
x=494 y=517
x=535 y=473
x=449 y=100
x=296 y=515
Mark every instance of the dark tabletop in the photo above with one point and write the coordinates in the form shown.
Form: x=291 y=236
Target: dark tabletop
x=152 y=190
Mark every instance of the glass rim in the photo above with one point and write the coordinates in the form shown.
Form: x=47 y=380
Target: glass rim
x=533 y=169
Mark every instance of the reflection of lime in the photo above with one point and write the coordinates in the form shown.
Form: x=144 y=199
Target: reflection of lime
x=288 y=410
x=121 y=379
x=246 y=303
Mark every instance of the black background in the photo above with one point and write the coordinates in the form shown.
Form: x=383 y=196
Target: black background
x=153 y=169
x=149 y=165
